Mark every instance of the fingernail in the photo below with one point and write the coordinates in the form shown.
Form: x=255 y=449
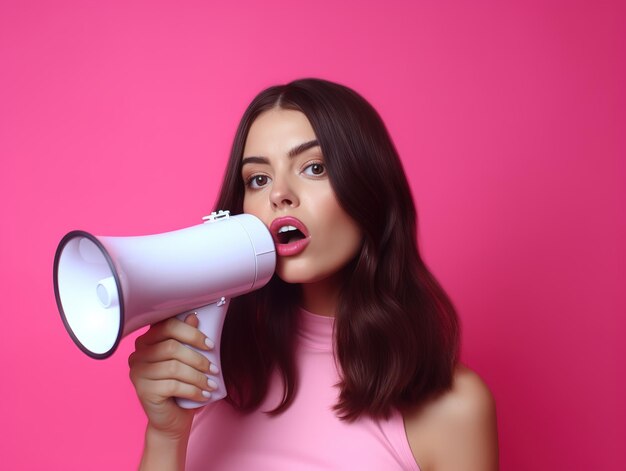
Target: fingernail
x=206 y=394
x=212 y=384
x=209 y=343
x=214 y=369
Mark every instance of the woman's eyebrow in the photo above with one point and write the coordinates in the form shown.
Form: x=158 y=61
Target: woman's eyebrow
x=299 y=149
x=254 y=160
x=303 y=147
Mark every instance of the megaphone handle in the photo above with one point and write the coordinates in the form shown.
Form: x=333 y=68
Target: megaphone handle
x=211 y=321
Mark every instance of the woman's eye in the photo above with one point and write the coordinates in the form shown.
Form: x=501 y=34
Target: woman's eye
x=257 y=181
x=315 y=170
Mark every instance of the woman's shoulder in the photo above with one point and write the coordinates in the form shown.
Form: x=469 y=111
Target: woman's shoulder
x=457 y=429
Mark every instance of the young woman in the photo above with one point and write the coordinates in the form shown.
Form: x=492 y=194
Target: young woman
x=348 y=358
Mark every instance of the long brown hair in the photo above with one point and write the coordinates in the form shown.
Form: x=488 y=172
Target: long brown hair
x=396 y=330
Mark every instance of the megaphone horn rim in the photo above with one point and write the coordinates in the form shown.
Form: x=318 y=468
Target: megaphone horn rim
x=57 y=257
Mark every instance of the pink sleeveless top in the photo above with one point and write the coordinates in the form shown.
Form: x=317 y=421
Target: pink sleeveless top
x=308 y=435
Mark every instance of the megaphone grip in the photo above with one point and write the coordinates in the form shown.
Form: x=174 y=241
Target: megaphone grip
x=211 y=321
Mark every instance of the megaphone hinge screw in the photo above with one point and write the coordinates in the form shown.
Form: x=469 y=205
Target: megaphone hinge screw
x=216 y=216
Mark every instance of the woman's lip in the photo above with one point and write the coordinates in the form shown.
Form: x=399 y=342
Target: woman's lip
x=292 y=248
x=287 y=221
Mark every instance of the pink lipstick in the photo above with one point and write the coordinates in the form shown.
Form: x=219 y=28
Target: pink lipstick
x=290 y=236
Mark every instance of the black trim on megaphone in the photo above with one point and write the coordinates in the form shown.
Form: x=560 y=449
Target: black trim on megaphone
x=57 y=256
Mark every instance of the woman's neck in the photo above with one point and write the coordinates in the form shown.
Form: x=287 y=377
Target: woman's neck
x=321 y=297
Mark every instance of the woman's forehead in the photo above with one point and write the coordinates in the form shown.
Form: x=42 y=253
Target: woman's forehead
x=278 y=131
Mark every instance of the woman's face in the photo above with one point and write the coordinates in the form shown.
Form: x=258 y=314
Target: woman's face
x=287 y=187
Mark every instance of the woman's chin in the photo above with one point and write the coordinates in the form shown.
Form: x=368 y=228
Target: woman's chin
x=297 y=271
x=306 y=272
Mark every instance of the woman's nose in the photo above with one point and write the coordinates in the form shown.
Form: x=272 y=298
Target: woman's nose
x=282 y=195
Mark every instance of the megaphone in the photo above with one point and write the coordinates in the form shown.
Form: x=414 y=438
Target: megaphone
x=108 y=287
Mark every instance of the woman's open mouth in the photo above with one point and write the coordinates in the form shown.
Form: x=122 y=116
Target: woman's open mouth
x=290 y=236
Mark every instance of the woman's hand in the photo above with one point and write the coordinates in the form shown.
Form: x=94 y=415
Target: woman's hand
x=162 y=368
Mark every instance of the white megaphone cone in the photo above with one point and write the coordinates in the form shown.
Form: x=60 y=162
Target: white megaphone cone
x=108 y=287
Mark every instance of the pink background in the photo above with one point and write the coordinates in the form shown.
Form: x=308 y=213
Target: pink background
x=116 y=117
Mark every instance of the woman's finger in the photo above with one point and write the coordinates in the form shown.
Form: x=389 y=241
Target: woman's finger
x=174 y=328
x=160 y=390
x=170 y=350
x=174 y=369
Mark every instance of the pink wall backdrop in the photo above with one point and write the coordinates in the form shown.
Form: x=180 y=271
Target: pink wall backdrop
x=116 y=117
